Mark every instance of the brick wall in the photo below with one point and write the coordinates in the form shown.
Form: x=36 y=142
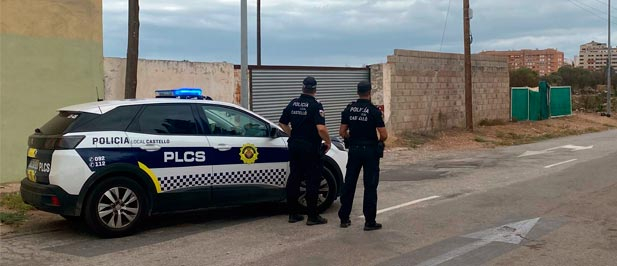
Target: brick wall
x=425 y=91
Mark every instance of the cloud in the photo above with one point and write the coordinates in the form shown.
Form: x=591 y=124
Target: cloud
x=348 y=32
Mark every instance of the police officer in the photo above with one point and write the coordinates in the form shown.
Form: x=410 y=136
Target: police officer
x=307 y=118
x=360 y=122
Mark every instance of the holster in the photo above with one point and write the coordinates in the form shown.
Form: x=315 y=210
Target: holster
x=381 y=146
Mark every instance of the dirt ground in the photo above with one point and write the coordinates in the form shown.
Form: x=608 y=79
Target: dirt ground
x=510 y=133
x=414 y=148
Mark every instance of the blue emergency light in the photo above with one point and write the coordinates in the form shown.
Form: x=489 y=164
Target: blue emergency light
x=182 y=93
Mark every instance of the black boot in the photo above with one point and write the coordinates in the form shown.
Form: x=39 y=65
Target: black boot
x=345 y=223
x=294 y=218
x=316 y=220
x=372 y=226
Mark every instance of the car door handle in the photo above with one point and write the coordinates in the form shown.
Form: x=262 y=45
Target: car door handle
x=150 y=147
x=223 y=147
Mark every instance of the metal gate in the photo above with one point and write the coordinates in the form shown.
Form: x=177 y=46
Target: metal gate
x=273 y=87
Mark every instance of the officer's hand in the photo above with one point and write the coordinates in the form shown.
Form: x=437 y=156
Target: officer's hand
x=328 y=146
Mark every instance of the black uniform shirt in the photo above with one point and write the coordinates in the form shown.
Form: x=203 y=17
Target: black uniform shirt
x=363 y=118
x=304 y=113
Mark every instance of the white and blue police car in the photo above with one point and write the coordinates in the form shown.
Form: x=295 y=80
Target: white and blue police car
x=113 y=163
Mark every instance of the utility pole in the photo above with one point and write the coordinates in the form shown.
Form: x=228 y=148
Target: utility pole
x=132 y=51
x=259 y=32
x=609 y=70
x=468 y=95
x=244 y=54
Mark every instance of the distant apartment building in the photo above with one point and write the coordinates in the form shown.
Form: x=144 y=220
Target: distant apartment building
x=542 y=61
x=593 y=56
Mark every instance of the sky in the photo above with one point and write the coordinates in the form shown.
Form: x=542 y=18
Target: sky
x=350 y=32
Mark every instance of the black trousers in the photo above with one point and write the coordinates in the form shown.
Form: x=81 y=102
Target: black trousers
x=305 y=164
x=361 y=157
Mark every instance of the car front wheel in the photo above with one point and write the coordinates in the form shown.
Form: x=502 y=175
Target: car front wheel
x=326 y=193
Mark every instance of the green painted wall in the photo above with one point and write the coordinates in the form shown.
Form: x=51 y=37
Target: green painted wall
x=43 y=69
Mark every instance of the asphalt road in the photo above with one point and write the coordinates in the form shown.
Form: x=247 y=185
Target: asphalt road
x=549 y=203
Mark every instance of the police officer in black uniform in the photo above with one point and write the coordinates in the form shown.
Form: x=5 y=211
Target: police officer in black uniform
x=360 y=122
x=307 y=118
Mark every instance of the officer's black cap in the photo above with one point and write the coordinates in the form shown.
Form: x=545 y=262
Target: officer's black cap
x=309 y=83
x=364 y=86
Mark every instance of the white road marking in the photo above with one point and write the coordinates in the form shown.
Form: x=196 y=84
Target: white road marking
x=556 y=164
x=569 y=147
x=512 y=233
x=404 y=205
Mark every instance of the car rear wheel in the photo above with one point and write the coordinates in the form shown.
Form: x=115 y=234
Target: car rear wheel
x=115 y=207
x=326 y=193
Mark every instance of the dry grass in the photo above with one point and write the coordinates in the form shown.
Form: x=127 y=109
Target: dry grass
x=13 y=211
x=499 y=133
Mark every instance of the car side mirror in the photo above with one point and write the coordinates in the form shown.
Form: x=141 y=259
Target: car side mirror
x=274 y=132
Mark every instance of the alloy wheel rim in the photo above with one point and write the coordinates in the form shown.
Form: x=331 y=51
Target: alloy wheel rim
x=322 y=193
x=118 y=207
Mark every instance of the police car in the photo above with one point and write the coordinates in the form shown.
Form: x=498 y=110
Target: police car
x=113 y=163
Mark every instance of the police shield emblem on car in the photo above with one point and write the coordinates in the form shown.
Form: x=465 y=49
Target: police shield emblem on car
x=248 y=153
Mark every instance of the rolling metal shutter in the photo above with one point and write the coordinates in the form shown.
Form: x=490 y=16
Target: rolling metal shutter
x=273 y=88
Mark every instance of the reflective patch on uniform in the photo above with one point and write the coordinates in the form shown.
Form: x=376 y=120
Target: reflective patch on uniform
x=322 y=113
x=248 y=153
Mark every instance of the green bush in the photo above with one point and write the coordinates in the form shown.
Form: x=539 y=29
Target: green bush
x=12 y=218
x=13 y=201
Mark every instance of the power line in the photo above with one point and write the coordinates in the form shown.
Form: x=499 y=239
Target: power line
x=605 y=3
x=588 y=11
x=593 y=7
x=445 y=25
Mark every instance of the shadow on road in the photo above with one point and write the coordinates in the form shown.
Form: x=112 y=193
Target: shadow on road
x=159 y=228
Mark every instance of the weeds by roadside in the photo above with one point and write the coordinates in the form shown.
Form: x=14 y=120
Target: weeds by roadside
x=502 y=133
x=492 y=122
x=415 y=140
x=480 y=139
x=13 y=209
x=12 y=218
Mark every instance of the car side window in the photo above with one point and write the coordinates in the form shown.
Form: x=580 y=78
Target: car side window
x=224 y=121
x=117 y=119
x=176 y=119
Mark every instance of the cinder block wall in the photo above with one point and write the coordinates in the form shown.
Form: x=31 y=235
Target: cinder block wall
x=425 y=91
x=215 y=79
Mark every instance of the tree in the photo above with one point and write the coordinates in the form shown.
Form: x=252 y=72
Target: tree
x=132 y=51
x=524 y=77
x=554 y=79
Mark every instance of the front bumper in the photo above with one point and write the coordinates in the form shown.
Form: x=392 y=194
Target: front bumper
x=40 y=196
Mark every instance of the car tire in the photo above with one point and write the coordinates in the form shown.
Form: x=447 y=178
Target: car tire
x=327 y=192
x=115 y=207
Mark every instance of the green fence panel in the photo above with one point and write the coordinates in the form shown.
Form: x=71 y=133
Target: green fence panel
x=534 y=105
x=561 y=101
x=544 y=100
x=520 y=103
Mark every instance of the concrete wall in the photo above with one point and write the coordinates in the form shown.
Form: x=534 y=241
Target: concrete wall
x=51 y=55
x=215 y=79
x=425 y=91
